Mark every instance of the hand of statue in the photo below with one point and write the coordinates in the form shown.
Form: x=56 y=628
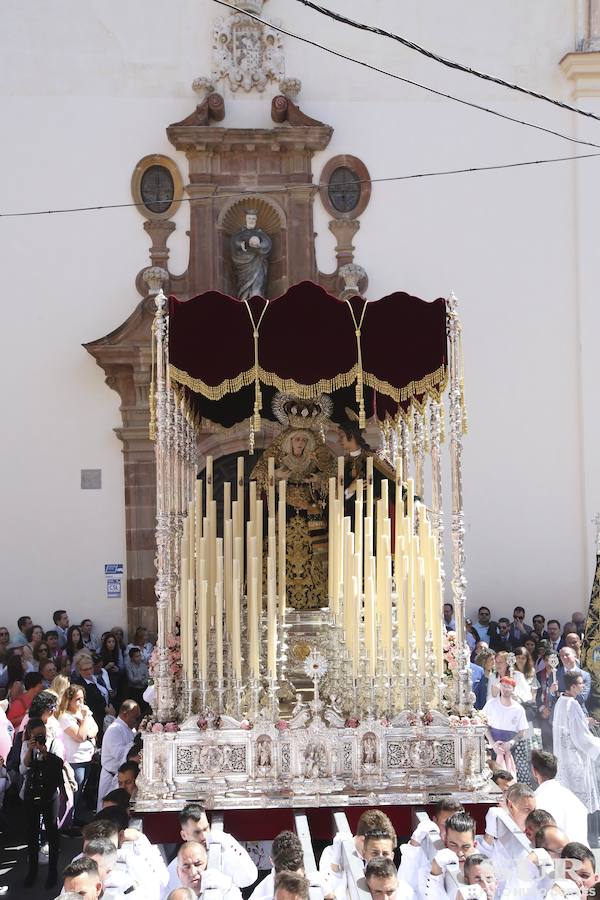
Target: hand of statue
x=254 y=241
x=243 y=246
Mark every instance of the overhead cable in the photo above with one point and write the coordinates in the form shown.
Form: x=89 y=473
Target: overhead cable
x=338 y=17
x=424 y=87
x=252 y=191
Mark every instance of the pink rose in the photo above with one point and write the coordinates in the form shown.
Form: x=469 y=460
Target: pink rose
x=171 y=727
x=351 y=723
x=157 y=728
x=246 y=725
x=282 y=725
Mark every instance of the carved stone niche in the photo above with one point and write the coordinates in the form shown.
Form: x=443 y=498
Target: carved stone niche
x=266 y=168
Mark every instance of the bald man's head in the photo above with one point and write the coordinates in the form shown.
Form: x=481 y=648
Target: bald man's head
x=192 y=860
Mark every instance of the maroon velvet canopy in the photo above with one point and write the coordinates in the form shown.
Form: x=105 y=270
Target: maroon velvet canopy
x=307 y=345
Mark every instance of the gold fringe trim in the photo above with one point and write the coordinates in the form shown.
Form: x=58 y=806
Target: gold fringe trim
x=434 y=384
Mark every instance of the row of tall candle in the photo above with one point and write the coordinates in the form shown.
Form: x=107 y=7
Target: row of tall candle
x=361 y=565
x=214 y=570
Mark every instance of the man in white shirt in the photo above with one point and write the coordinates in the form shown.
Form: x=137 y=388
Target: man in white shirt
x=192 y=872
x=382 y=880
x=137 y=858
x=118 y=738
x=330 y=864
x=459 y=844
x=82 y=878
x=568 y=811
x=115 y=884
x=415 y=866
x=195 y=827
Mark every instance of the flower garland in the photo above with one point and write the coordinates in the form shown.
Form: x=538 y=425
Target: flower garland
x=173 y=656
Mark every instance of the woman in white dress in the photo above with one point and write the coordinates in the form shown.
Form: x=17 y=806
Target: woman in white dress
x=79 y=731
x=576 y=749
x=501 y=671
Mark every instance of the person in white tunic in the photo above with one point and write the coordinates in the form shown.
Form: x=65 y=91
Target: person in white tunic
x=287 y=856
x=192 y=861
x=567 y=810
x=118 y=739
x=577 y=749
x=331 y=862
x=382 y=880
x=235 y=861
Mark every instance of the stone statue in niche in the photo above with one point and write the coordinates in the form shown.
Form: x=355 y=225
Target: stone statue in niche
x=250 y=250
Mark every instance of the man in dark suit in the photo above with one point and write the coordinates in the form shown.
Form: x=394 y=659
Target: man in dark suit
x=569 y=663
x=539 y=631
x=502 y=640
x=555 y=635
x=518 y=629
x=94 y=698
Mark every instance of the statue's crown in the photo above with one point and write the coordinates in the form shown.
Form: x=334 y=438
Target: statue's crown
x=297 y=413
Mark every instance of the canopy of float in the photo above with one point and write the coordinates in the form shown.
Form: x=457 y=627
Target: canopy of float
x=227 y=356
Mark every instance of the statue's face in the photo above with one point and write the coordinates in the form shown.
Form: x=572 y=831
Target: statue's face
x=298 y=442
x=250 y=222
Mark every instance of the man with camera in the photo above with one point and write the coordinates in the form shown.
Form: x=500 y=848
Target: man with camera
x=43 y=773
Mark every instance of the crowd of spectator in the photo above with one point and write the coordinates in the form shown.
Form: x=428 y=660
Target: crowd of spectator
x=70 y=758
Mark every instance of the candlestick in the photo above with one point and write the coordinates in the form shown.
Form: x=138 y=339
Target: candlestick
x=202 y=618
x=189 y=635
x=258 y=532
x=227 y=571
x=199 y=511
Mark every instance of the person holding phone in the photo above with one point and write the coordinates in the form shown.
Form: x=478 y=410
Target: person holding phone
x=43 y=773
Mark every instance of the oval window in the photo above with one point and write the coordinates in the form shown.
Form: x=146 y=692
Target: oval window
x=344 y=189
x=157 y=189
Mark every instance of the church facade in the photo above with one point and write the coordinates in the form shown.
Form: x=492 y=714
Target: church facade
x=174 y=124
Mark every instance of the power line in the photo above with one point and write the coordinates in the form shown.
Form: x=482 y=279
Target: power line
x=253 y=191
x=424 y=87
x=338 y=17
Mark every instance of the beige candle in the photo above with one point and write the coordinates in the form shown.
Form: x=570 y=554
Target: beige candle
x=226 y=501
x=369 y=507
x=259 y=552
x=281 y=562
x=199 y=511
x=331 y=540
x=340 y=477
x=212 y=557
x=271 y=618
x=236 y=641
x=348 y=572
x=209 y=481
x=219 y=630
x=239 y=531
x=253 y=611
x=190 y=628
x=354 y=646
x=271 y=485
x=227 y=572
x=358 y=527
x=371 y=618
x=410 y=502
x=192 y=536
x=202 y=619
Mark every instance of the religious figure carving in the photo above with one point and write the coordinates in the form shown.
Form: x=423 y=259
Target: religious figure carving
x=250 y=249
x=263 y=752
x=369 y=750
x=302 y=459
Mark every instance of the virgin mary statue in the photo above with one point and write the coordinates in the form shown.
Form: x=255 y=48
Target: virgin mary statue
x=303 y=460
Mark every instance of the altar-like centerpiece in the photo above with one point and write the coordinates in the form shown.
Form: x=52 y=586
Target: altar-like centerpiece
x=300 y=652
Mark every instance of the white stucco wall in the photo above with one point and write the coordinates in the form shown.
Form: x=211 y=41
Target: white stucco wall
x=88 y=89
